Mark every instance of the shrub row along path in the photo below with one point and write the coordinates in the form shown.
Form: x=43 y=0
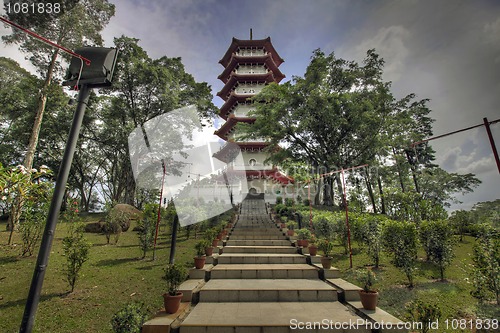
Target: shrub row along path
x=262 y=283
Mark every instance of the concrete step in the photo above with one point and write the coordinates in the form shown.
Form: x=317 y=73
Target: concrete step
x=261 y=258
x=264 y=271
x=260 y=249
x=347 y=291
x=263 y=317
x=250 y=237
x=267 y=290
x=258 y=242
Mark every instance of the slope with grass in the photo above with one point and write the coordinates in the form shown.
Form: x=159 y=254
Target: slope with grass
x=113 y=276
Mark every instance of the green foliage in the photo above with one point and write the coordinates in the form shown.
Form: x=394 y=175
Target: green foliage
x=279 y=200
x=76 y=249
x=201 y=246
x=147 y=228
x=114 y=223
x=175 y=274
x=367 y=278
x=425 y=313
x=289 y=202
x=303 y=233
x=486 y=268
x=322 y=225
x=437 y=240
x=370 y=229
x=291 y=224
x=400 y=239
x=35 y=212
x=326 y=246
x=129 y=319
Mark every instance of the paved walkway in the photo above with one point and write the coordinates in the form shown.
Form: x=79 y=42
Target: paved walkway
x=262 y=283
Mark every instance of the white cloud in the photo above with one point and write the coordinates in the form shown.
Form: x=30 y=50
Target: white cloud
x=390 y=43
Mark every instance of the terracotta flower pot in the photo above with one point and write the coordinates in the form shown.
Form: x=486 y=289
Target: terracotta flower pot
x=172 y=303
x=313 y=250
x=305 y=243
x=369 y=299
x=209 y=250
x=290 y=232
x=326 y=262
x=215 y=242
x=199 y=262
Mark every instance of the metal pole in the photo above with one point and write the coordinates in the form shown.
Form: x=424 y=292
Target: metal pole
x=55 y=205
x=492 y=142
x=174 y=239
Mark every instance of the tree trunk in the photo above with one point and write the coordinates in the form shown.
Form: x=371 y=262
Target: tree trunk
x=381 y=192
x=340 y=188
x=317 y=194
x=327 y=191
x=400 y=176
x=17 y=207
x=413 y=171
x=366 y=176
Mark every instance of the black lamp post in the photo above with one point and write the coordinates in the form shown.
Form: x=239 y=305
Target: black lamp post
x=97 y=74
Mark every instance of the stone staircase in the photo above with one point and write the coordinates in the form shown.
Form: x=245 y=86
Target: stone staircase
x=262 y=283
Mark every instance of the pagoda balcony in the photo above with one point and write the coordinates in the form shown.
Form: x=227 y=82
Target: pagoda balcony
x=255 y=167
x=266 y=60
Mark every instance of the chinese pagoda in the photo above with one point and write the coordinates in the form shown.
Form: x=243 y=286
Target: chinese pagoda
x=248 y=66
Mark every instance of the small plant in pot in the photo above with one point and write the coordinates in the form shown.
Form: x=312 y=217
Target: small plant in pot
x=284 y=220
x=313 y=248
x=175 y=274
x=210 y=235
x=291 y=226
x=368 y=295
x=303 y=236
x=327 y=248
x=199 y=260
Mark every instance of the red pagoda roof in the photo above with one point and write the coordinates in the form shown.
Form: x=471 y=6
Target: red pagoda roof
x=227 y=153
x=258 y=43
x=231 y=102
x=273 y=174
x=235 y=78
x=228 y=126
x=239 y=59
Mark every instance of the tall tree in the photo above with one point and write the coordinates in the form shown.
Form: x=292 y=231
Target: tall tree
x=76 y=24
x=144 y=89
x=333 y=117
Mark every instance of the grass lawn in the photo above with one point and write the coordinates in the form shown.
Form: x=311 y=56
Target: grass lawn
x=452 y=296
x=113 y=276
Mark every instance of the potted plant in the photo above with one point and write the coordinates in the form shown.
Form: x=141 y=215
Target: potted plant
x=199 y=260
x=210 y=236
x=174 y=275
x=284 y=220
x=368 y=295
x=303 y=235
x=291 y=226
x=327 y=247
x=313 y=248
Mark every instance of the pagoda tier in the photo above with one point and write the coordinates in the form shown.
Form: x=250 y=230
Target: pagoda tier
x=249 y=65
x=273 y=174
x=231 y=103
x=230 y=124
x=227 y=153
x=266 y=60
x=264 y=44
x=235 y=78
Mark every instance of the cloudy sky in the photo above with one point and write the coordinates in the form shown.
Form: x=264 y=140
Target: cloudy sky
x=447 y=51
